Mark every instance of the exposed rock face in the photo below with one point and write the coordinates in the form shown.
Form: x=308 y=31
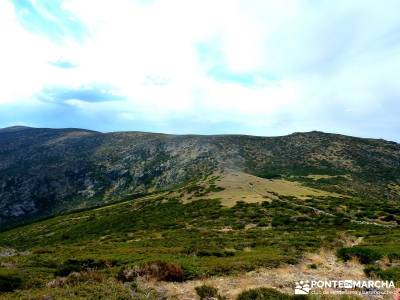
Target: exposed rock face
x=44 y=171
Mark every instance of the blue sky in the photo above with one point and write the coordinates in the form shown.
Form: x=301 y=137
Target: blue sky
x=179 y=66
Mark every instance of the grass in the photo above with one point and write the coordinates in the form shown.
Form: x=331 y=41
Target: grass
x=199 y=238
x=108 y=289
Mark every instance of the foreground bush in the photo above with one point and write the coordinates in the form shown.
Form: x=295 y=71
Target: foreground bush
x=90 y=277
x=386 y=274
x=107 y=290
x=263 y=294
x=9 y=282
x=75 y=265
x=272 y=294
x=207 y=292
x=216 y=253
x=159 y=270
x=364 y=255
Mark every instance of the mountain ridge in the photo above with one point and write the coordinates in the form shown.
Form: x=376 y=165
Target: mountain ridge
x=45 y=171
x=310 y=132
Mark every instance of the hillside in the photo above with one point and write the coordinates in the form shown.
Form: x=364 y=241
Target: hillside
x=154 y=216
x=163 y=245
x=48 y=171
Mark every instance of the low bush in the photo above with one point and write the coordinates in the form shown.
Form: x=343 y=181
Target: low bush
x=281 y=221
x=159 y=270
x=384 y=274
x=371 y=270
x=389 y=218
x=264 y=222
x=10 y=281
x=89 y=277
x=390 y=274
x=393 y=257
x=207 y=292
x=312 y=266
x=75 y=265
x=263 y=294
x=216 y=253
x=164 y=271
x=42 y=250
x=364 y=255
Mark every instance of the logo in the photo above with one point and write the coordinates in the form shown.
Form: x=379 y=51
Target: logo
x=362 y=287
x=302 y=287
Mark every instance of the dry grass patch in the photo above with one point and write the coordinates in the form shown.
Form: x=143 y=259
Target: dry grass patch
x=321 y=176
x=238 y=186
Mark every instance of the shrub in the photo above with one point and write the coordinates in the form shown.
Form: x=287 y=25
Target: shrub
x=75 y=265
x=270 y=175
x=263 y=294
x=216 y=252
x=208 y=292
x=90 y=277
x=239 y=225
x=340 y=220
x=312 y=266
x=364 y=255
x=389 y=218
x=281 y=221
x=159 y=270
x=42 y=251
x=390 y=274
x=264 y=222
x=65 y=236
x=214 y=188
x=371 y=270
x=386 y=274
x=393 y=257
x=10 y=282
x=127 y=275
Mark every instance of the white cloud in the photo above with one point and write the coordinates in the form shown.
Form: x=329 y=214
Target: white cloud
x=329 y=62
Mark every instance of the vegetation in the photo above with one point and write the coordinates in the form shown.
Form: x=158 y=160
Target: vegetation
x=263 y=294
x=158 y=270
x=67 y=169
x=206 y=292
x=162 y=238
x=272 y=294
x=157 y=208
x=364 y=255
x=9 y=280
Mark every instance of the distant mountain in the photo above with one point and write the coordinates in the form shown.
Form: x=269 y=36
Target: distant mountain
x=14 y=128
x=47 y=171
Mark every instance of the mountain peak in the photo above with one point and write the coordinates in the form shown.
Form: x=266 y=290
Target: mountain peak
x=15 y=128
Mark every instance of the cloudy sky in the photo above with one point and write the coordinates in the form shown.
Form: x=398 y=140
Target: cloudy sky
x=212 y=66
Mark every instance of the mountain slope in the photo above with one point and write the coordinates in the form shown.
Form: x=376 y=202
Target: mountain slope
x=194 y=233
x=188 y=208
x=46 y=171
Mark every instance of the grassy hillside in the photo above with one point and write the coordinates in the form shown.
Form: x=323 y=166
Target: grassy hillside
x=119 y=215
x=194 y=231
x=48 y=171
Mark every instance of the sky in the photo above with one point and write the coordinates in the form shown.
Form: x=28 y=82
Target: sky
x=259 y=67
